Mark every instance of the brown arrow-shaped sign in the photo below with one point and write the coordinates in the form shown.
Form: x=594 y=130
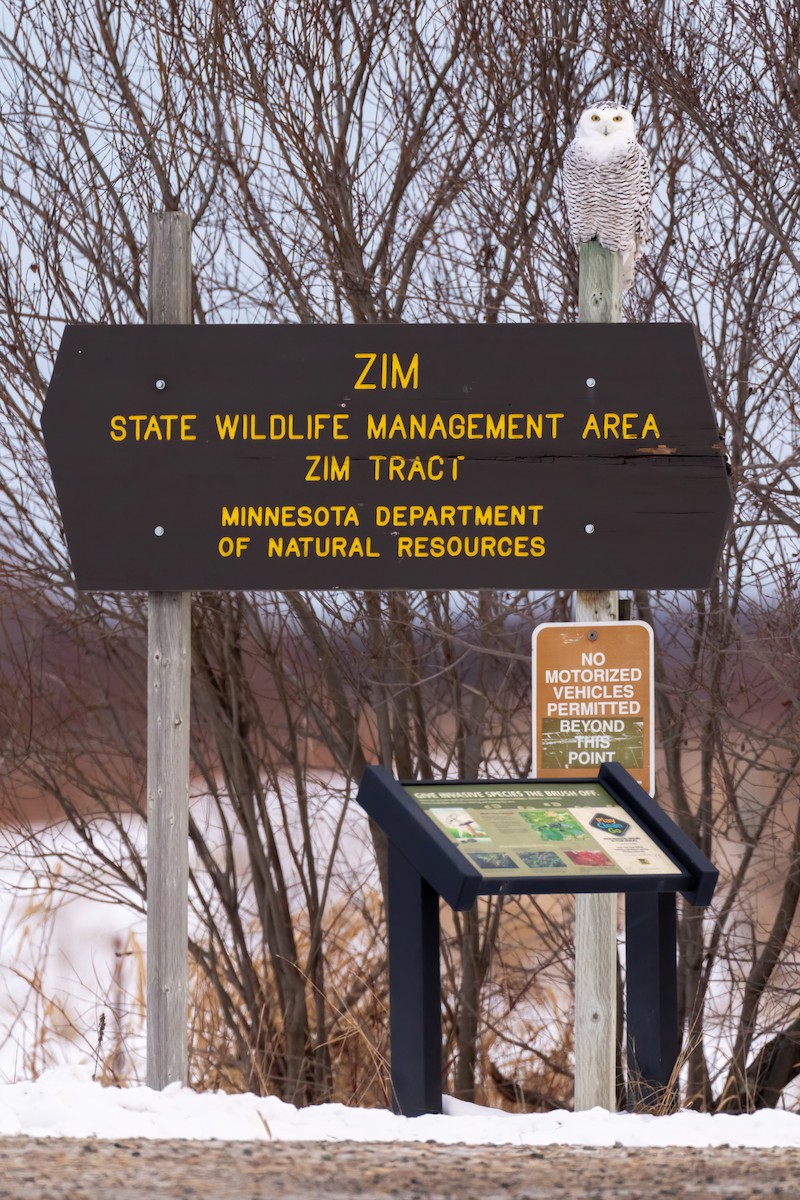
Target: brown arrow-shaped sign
x=381 y=456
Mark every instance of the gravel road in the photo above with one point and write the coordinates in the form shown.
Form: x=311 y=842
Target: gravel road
x=50 y=1169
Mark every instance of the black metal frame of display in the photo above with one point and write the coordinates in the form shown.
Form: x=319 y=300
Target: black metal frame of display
x=425 y=865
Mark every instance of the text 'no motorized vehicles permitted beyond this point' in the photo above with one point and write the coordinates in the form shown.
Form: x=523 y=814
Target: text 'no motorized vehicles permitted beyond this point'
x=593 y=699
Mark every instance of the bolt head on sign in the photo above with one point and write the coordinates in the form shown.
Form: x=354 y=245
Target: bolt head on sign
x=593 y=700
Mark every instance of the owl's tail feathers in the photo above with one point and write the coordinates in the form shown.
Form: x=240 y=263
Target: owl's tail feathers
x=628 y=267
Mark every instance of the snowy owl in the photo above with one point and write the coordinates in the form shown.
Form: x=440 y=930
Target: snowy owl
x=607 y=185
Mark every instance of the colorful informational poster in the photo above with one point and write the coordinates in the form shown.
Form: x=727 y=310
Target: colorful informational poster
x=593 y=699
x=542 y=829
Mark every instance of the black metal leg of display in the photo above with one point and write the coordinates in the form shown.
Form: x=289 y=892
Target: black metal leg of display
x=415 y=1018
x=652 y=1000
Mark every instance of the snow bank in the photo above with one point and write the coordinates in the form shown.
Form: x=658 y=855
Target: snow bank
x=65 y=1102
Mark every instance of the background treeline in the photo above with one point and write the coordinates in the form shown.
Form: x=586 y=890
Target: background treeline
x=396 y=160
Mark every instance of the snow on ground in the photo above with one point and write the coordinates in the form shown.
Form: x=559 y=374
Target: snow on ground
x=72 y=941
x=65 y=959
x=65 y=1102
x=63 y=963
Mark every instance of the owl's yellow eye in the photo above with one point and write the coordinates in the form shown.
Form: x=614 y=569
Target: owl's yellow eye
x=616 y=118
x=595 y=117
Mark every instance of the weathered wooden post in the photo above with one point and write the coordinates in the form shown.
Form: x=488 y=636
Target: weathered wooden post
x=599 y=299
x=168 y=700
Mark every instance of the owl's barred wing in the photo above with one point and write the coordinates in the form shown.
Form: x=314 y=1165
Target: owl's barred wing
x=573 y=175
x=642 y=227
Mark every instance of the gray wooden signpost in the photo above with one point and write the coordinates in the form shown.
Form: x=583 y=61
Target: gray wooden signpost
x=168 y=701
x=599 y=300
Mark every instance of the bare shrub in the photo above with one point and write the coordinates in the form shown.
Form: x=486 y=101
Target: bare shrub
x=400 y=162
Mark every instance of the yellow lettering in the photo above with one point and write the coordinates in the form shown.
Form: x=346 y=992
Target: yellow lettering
x=620 y=425
x=320 y=547
x=315 y=460
x=331 y=468
x=591 y=426
x=360 y=384
x=241 y=425
x=227 y=425
x=403 y=515
x=418 y=471
x=470 y=546
x=398 y=378
x=161 y=426
x=411 y=377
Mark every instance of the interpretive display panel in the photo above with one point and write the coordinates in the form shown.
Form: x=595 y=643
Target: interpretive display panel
x=386 y=456
x=531 y=829
x=457 y=840
x=471 y=838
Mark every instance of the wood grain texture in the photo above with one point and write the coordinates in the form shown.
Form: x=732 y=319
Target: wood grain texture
x=599 y=300
x=168 y=705
x=596 y=606
x=595 y=1001
x=599 y=284
x=168 y=699
x=169 y=294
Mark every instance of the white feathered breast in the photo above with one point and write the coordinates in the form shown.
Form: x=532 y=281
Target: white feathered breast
x=607 y=188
